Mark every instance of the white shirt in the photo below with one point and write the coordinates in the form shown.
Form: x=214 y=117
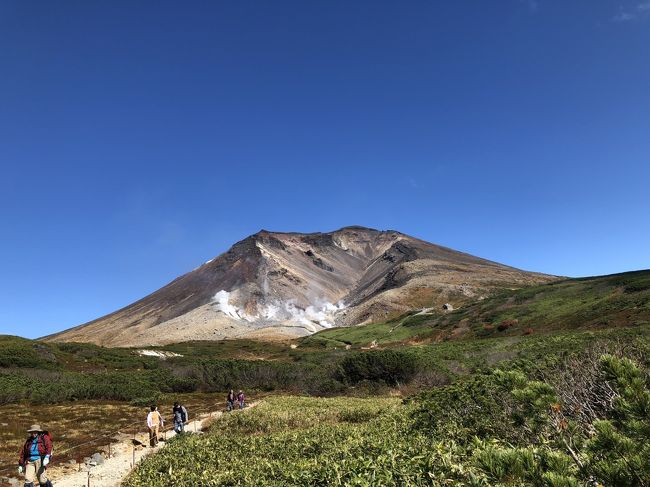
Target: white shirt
x=150 y=420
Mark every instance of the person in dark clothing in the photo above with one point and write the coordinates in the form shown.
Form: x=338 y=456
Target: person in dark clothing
x=35 y=457
x=230 y=401
x=180 y=417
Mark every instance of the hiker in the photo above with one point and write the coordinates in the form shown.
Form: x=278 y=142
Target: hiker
x=180 y=417
x=240 y=398
x=35 y=457
x=154 y=422
x=230 y=400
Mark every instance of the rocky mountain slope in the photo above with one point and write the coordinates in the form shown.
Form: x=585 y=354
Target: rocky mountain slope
x=273 y=285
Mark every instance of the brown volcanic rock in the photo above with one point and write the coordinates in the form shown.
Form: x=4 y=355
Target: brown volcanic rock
x=291 y=284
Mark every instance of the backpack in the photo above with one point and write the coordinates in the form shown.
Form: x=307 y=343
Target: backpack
x=178 y=413
x=45 y=438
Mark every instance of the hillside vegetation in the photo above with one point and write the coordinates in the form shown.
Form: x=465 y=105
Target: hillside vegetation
x=543 y=386
x=414 y=351
x=589 y=425
x=593 y=303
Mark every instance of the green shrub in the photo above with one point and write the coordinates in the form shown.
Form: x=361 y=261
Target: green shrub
x=498 y=428
x=477 y=406
x=18 y=352
x=389 y=366
x=619 y=452
x=539 y=467
x=416 y=320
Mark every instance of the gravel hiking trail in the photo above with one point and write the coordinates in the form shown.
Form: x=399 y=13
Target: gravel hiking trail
x=115 y=469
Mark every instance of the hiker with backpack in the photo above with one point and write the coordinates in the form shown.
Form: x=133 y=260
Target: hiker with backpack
x=180 y=417
x=154 y=423
x=35 y=457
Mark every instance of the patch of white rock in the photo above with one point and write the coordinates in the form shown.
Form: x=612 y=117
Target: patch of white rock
x=163 y=354
x=322 y=312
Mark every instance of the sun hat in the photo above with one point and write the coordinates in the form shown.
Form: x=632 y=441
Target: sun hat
x=35 y=428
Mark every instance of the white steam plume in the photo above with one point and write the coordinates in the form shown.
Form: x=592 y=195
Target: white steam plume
x=321 y=313
x=222 y=299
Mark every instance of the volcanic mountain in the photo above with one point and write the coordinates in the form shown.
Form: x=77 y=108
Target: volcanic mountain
x=273 y=285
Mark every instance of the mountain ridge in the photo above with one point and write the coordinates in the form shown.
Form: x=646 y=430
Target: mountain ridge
x=284 y=284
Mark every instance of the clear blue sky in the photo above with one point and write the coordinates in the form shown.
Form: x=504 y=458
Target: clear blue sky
x=140 y=138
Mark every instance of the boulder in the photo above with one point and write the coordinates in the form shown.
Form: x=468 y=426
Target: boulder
x=98 y=458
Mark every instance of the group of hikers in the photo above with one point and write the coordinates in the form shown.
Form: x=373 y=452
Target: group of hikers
x=37 y=450
x=230 y=400
x=155 y=421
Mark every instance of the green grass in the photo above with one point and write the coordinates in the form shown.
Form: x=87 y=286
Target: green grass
x=589 y=303
x=406 y=327
x=230 y=349
x=294 y=441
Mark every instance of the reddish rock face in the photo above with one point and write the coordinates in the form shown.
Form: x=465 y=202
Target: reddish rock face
x=290 y=284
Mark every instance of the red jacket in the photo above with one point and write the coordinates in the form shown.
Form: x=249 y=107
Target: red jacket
x=44 y=447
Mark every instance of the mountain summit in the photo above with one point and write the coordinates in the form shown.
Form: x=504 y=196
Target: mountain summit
x=274 y=284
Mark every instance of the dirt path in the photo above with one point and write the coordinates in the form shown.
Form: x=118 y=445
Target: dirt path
x=124 y=455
